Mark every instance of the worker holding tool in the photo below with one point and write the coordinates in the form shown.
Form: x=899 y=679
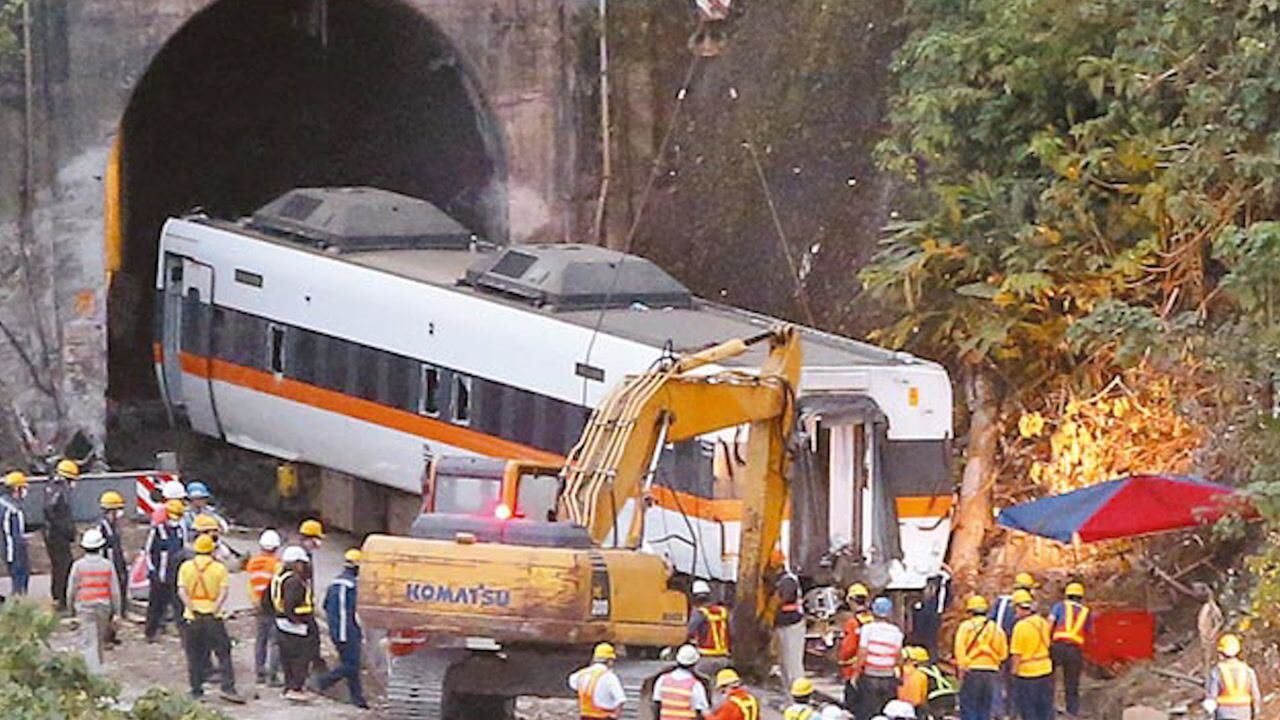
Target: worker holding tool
x=980 y=648
x=876 y=669
x=203 y=587
x=1005 y=614
x=344 y=629
x=739 y=703
x=163 y=550
x=292 y=600
x=709 y=629
x=60 y=527
x=857 y=598
x=261 y=568
x=600 y=693
x=1231 y=690
x=679 y=694
x=16 y=556
x=93 y=595
x=1072 y=621
x=802 y=706
x=1030 y=661
x=112 y=505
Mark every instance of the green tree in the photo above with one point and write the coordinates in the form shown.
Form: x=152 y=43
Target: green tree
x=11 y=40
x=1076 y=174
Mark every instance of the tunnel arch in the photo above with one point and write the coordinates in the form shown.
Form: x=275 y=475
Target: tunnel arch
x=248 y=99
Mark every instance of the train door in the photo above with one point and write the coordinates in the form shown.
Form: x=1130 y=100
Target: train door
x=170 y=364
x=187 y=337
x=847 y=462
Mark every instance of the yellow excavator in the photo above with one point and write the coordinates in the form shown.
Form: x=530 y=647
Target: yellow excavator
x=482 y=608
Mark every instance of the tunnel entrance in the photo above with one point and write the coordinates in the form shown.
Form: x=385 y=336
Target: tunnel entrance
x=252 y=98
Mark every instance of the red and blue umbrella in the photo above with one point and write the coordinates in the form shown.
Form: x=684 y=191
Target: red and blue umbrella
x=1124 y=508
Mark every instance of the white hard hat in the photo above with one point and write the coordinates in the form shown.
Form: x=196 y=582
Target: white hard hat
x=833 y=712
x=700 y=587
x=895 y=709
x=269 y=540
x=92 y=539
x=293 y=554
x=687 y=656
x=173 y=490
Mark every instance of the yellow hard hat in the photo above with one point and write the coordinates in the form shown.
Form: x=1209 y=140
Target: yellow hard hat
x=353 y=556
x=311 y=528
x=727 y=677
x=1229 y=645
x=976 y=603
x=15 y=479
x=918 y=654
x=111 y=500
x=1024 y=581
x=604 y=651
x=858 y=590
x=205 y=522
x=204 y=545
x=1075 y=589
x=68 y=468
x=1022 y=597
x=802 y=687
x=174 y=508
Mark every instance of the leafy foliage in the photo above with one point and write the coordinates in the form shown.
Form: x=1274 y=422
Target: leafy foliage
x=11 y=39
x=37 y=683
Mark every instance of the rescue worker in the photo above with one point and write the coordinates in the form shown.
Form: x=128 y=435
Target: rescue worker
x=16 y=556
x=739 y=703
x=940 y=701
x=344 y=629
x=310 y=537
x=203 y=587
x=709 y=628
x=600 y=693
x=1030 y=661
x=1071 y=622
x=788 y=623
x=857 y=598
x=261 y=568
x=163 y=550
x=60 y=528
x=198 y=504
x=1231 y=690
x=1005 y=614
x=292 y=600
x=112 y=505
x=802 y=706
x=678 y=694
x=876 y=669
x=980 y=648
x=93 y=595
x=913 y=686
x=169 y=490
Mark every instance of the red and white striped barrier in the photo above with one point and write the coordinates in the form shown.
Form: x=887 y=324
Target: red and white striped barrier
x=144 y=485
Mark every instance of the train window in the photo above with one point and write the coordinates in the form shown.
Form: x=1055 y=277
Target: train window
x=429 y=399
x=367 y=370
x=251 y=279
x=335 y=364
x=398 y=386
x=303 y=354
x=275 y=349
x=461 y=399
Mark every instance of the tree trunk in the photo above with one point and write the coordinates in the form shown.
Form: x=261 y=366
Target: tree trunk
x=973 y=515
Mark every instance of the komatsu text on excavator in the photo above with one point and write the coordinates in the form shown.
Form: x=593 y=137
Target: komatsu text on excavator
x=482 y=609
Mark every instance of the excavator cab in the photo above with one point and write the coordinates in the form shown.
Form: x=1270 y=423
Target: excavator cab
x=492 y=488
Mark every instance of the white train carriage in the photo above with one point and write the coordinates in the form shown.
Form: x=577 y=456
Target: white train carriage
x=365 y=332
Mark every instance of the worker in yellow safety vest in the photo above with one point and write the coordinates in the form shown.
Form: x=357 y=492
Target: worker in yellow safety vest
x=739 y=703
x=801 y=707
x=600 y=693
x=980 y=648
x=203 y=587
x=261 y=568
x=1231 y=690
x=679 y=694
x=709 y=629
x=913 y=687
x=1031 y=664
x=1072 y=621
x=293 y=601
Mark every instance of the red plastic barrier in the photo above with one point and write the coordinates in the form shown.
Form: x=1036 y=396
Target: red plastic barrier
x=1120 y=636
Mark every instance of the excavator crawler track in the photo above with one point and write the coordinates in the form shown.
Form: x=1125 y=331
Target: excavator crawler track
x=415 y=687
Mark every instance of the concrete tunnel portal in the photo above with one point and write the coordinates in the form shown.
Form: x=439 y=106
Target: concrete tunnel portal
x=251 y=98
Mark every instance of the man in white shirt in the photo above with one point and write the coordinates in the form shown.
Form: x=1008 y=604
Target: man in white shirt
x=679 y=693
x=600 y=693
x=879 y=652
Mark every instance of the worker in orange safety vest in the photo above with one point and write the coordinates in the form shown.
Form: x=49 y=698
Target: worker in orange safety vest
x=913 y=687
x=857 y=598
x=260 y=569
x=1072 y=621
x=1231 y=690
x=709 y=629
x=739 y=703
x=679 y=694
x=600 y=693
x=93 y=594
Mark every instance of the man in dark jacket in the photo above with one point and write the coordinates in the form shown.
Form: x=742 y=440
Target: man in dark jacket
x=112 y=504
x=164 y=552
x=344 y=630
x=60 y=528
x=292 y=600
